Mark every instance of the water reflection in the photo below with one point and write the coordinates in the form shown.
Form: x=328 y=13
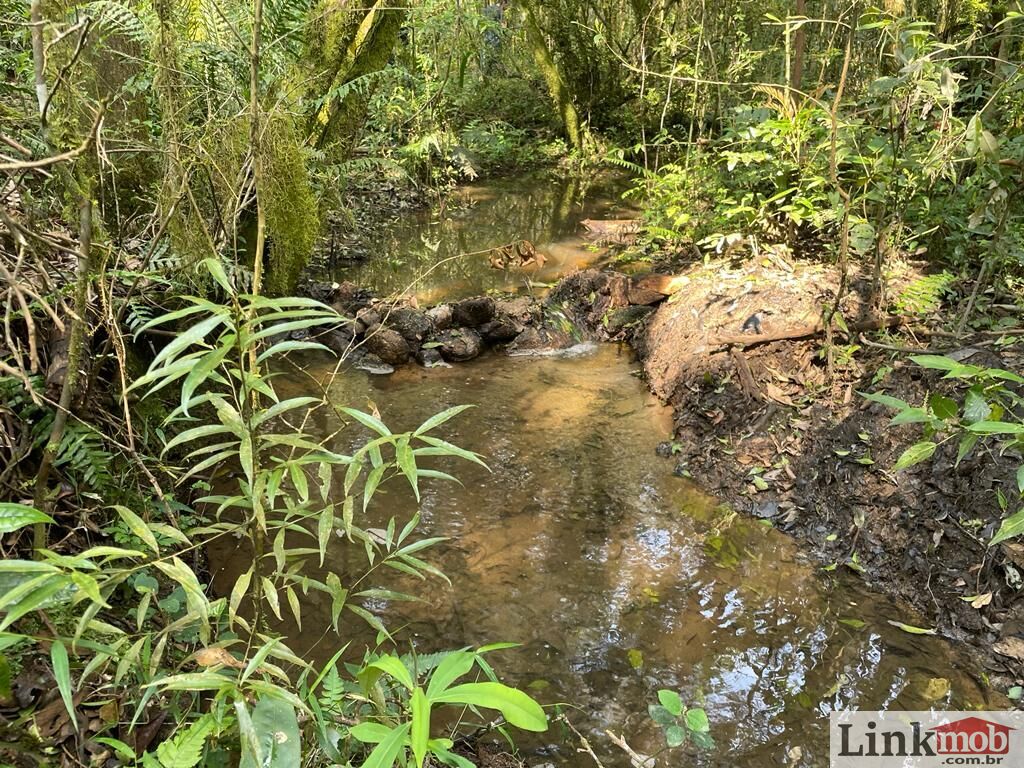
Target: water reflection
x=619 y=579
x=438 y=253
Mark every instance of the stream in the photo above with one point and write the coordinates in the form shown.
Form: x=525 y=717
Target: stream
x=435 y=254
x=616 y=577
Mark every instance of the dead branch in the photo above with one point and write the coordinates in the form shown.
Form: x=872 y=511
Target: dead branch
x=742 y=341
x=746 y=375
x=71 y=154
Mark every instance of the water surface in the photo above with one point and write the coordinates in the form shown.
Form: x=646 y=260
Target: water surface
x=616 y=577
x=619 y=578
x=441 y=254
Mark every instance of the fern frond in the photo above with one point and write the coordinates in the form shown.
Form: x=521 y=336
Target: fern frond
x=924 y=295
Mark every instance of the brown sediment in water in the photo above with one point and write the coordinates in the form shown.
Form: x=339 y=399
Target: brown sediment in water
x=619 y=578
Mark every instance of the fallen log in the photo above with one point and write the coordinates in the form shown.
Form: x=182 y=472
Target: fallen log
x=746 y=341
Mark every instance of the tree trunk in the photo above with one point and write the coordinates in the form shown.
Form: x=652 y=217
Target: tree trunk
x=796 y=72
x=354 y=45
x=553 y=77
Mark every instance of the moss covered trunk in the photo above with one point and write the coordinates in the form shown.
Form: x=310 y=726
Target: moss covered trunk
x=552 y=77
x=350 y=43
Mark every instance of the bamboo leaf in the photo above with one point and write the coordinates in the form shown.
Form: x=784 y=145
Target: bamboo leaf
x=138 y=527
x=368 y=421
x=62 y=674
x=435 y=421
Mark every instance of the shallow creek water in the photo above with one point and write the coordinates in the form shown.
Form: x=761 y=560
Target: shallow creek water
x=616 y=577
x=439 y=254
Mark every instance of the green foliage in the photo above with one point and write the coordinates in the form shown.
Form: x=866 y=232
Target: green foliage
x=228 y=413
x=925 y=294
x=679 y=723
x=404 y=708
x=912 y=163
x=987 y=416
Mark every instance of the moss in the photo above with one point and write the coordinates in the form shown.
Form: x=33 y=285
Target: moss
x=293 y=223
x=368 y=51
x=553 y=78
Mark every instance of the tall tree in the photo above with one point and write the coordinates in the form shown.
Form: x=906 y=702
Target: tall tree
x=553 y=77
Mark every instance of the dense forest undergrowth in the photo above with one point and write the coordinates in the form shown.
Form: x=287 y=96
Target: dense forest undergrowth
x=168 y=171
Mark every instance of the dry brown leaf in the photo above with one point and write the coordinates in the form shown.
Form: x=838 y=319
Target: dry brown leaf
x=981 y=600
x=777 y=394
x=209 y=657
x=1012 y=646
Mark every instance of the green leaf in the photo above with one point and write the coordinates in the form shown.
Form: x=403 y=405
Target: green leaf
x=30 y=595
x=911 y=416
x=368 y=421
x=660 y=715
x=257 y=659
x=943 y=407
x=193 y=335
x=452 y=667
x=670 y=700
x=14 y=516
x=912 y=630
x=370 y=733
x=206 y=365
x=271 y=596
x=62 y=674
x=518 y=708
x=138 y=527
x=394 y=667
x=238 y=591
x=697 y=720
x=937 y=362
x=883 y=399
x=385 y=755
x=1011 y=527
x=324 y=528
x=966 y=445
x=195 y=433
x=976 y=408
x=194 y=595
x=193 y=681
x=452 y=759
x=277 y=743
x=420 y=726
x=216 y=270
x=283 y=407
x=407 y=463
x=915 y=454
x=199 y=305
x=1020 y=479
x=436 y=421
x=185 y=750
x=675 y=736
x=996 y=428
x=441 y=448
x=290 y=346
